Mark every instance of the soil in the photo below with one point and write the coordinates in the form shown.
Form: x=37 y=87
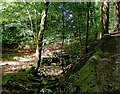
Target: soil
x=15 y=59
x=107 y=69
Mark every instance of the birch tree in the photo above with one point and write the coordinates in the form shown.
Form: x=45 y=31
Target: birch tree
x=38 y=35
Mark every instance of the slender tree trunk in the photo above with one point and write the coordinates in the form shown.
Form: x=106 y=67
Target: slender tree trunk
x=101 y=20
x=119 y=17
x=86 y=41
x=116 y=14
x=96 y=33
x=119 y=13
x=41 y=34
x=30 y=22
x=106 y=16
x=78 y=23
x=62 y=41
x=91 y=12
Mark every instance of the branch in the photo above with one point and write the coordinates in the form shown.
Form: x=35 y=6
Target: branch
x=35 y=20
x=30 y=21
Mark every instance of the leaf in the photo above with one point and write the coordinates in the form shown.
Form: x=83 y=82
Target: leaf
x=5 y=79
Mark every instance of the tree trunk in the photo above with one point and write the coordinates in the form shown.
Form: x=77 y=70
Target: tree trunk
x=41 y=34
x=78 y=23
x=62 y=41
x=86 y=41
x=96 y=33
x=116 y=14
x=106 y=16
x=101 y=20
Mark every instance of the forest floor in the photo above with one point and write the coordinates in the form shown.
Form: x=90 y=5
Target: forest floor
x=108 y=67
x=17 y=81
x=16 y=59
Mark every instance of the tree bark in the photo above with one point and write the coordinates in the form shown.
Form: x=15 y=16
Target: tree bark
x=101 y=20
x=96 y=33
x=78 y=23
x=62 y=41
x=86 y=41
x=41 y=34
x=30 y=22
x=116 y=14
x=106 y=16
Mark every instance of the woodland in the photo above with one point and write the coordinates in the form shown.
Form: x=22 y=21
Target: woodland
x=60 y=47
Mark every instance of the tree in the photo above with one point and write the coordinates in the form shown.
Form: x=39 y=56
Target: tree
x=87 y=27
x=78 y=21
x=63 y=35
x=38 y=35
x=116 y=14
x=101 y=20
x=96 y=33
x=10 y=21
x=106 y=16
x=41 y=34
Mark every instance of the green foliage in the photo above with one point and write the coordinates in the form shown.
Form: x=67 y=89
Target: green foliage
x=16 y=27
x=15 y=15
x=99 y=45
x=24 y=81
x=7 y=56
x=5 y=79
x=73 y=49
x=85 y=78
x=99 y=53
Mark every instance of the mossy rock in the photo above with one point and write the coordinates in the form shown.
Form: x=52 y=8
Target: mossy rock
x=85 y=77
x=87 y=80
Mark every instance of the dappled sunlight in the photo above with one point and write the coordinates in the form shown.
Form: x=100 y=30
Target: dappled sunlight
x=21 y=59
x=52 y=70
x=9 y=63
x=24 y=61
x=60 y=47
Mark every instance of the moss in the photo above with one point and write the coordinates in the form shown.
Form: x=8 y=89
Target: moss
x=5 y=79
x=87 y=75
x=94 y=58
x=106 y=36
x=85 y=78
x=99 y=53
x=100 y=44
